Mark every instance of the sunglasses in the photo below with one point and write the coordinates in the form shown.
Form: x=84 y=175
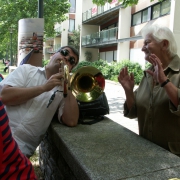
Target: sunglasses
x=71 y=59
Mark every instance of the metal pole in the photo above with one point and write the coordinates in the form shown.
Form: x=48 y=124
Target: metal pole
x=11 y=49
x=40 y=8
x=7 y=52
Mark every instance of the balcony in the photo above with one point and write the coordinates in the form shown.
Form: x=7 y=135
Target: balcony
x=102 y=38
x=52 y=49
x=101 y=14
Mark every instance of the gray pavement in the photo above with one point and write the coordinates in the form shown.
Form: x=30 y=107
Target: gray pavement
x=116 y=97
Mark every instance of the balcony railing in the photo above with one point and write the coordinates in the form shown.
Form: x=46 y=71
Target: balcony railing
x=52 y=49
x=96 y=10
x=100 y=37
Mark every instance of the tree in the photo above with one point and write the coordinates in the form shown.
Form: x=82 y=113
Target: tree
x=11 y=11
x=125 y=3
x=74 y=39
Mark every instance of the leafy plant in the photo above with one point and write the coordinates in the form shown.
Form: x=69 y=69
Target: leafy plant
x=74 y=39
x=88 y=56
x=54 y=11
x=134 y=68
x=148 y=65
x=111 y=70
x=45 y=62
x=81 y=64
x=125 y=3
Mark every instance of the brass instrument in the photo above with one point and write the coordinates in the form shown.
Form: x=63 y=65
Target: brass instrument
x=66 y=80
x=87 y=83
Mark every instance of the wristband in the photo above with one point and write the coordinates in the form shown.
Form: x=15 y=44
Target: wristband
x=165 y=82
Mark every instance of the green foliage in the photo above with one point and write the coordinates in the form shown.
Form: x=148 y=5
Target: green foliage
x=81 y=64
x=34 y=157
x=74 y=39
x=103 y=66
x=111 y=70
x=45 y=62
x=88 y=56
x=148 y=65
x=134 y=68
x=125 y=3
x=11 y=11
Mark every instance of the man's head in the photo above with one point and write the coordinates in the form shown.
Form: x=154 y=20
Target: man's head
x=66 y=54
x=71 y=55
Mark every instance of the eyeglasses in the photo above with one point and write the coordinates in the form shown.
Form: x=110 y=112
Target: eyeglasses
x=71 y=59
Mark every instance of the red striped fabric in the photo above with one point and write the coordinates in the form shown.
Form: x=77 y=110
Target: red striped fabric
x=13 y=164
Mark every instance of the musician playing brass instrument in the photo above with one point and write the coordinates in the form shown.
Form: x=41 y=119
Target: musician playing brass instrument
x=26 y=93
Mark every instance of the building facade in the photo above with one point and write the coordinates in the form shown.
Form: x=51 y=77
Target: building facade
x=65 y=29
x=112 y=32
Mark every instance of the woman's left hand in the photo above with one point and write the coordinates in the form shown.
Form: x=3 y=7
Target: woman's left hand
x=158 y=73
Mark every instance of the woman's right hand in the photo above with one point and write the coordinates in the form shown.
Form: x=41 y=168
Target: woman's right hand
x=126 y=79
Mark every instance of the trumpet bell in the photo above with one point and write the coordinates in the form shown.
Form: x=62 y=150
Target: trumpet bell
x=87 y=83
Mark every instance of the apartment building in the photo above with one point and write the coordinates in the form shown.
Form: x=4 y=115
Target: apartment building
x=65 y=29
x=112 y=32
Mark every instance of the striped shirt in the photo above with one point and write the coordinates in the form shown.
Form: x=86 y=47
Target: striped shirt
x=13 y=164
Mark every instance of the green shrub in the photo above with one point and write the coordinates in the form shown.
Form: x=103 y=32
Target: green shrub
x=111 y=70
x=81 y=64
x=45 y=62
x=134 y=68
x=148 y=65
x=104 y=67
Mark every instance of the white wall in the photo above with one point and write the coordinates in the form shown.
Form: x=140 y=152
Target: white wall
x=136 y=55
x=64 y=38
x=79 y=9
x=124 y=32
x=175 y=22
x=86 y=5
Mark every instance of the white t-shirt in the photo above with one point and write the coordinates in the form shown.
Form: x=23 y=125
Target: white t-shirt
x=29 y=121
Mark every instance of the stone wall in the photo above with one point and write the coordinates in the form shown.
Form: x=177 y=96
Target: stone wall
x=103 y=151
x=52 y=163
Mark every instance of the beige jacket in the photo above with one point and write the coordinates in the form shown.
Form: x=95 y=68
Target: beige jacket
x=158 y=119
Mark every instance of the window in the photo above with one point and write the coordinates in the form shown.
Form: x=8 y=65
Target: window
x=145 y=16
x=71 y=25
x=165 y=9
x=73 y=6
x=156 y=11
x=136 y=18
x=152 y=12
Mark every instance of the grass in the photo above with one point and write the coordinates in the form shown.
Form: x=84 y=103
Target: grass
x=35 y=162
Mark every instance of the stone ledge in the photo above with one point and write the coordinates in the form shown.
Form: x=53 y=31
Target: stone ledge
x=108 y=151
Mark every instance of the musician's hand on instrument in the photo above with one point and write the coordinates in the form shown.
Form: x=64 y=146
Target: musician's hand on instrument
x=54 y=80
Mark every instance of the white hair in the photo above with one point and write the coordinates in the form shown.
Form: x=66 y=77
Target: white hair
x=160 y=33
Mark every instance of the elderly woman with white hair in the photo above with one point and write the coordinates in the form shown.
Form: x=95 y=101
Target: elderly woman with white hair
x=156 y=102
